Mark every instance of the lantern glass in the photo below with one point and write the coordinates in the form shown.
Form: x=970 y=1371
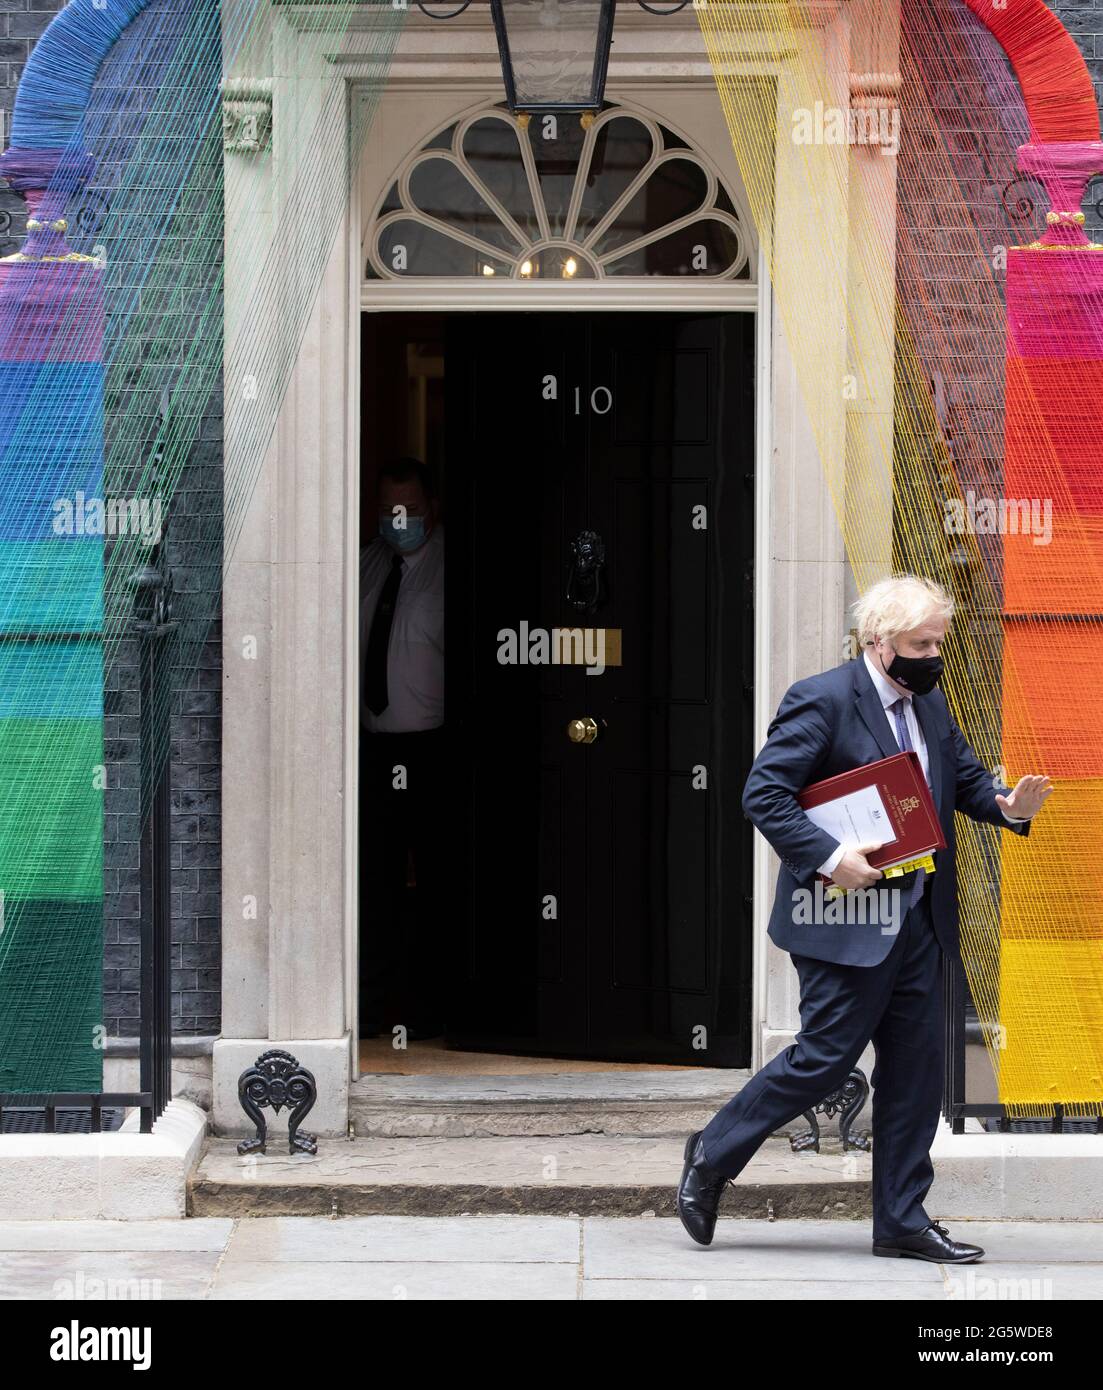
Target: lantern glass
x=554 y=52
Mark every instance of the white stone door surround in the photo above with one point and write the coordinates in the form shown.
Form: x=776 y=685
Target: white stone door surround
x=290 y=713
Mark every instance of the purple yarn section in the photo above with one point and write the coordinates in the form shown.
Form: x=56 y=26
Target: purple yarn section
x=47 y=179
x=25 y=168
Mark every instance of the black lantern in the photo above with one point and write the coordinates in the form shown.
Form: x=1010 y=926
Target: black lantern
x=555 y=53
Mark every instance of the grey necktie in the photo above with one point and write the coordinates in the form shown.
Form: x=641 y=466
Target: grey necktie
x=904 y=740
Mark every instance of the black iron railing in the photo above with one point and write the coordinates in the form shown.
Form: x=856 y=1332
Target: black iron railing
x=65 y=1112
x=155 y=628
x=94 y=1112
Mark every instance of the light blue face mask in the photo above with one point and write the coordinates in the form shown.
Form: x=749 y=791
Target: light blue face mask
x=407 y=537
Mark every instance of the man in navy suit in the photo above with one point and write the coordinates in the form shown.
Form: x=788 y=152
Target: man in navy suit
x=876 y=976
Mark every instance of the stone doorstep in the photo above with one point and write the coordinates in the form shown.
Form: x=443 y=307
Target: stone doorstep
x=640 y=1103
x=621 y=1175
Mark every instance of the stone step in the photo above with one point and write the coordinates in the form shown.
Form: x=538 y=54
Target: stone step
x=586 y=1175
x=645 y=1102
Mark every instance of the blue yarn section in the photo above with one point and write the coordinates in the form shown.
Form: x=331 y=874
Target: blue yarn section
x=51 y=446
x=57 y=82
x=52 y=680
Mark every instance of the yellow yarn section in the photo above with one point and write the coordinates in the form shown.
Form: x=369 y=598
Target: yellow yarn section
x=1030 y=908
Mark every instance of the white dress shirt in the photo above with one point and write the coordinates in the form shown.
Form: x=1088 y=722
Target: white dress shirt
x=415 y=652
x=889 y=697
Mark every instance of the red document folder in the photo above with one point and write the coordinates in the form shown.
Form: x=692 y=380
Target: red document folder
x=906 y=811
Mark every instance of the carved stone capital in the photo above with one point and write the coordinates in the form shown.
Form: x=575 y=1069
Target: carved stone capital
x=247 y=115
x=875 y=107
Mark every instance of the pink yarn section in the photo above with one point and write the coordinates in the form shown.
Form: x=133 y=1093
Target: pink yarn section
x=1055 y=305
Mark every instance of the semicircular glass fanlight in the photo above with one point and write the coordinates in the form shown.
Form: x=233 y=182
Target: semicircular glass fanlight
x=621 y=196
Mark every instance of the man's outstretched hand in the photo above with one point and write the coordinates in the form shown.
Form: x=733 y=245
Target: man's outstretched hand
x=1028 y=797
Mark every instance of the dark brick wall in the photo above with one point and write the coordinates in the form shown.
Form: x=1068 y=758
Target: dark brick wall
x=147 y=108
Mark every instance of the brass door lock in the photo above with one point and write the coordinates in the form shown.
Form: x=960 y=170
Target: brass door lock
x=583 y=730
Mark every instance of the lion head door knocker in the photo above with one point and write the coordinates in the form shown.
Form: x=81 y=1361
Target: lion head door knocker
x=586 y=588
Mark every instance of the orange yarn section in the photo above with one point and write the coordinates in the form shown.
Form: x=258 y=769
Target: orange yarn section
x=1057 y=87
x=1051 y=720
x=1057 y=575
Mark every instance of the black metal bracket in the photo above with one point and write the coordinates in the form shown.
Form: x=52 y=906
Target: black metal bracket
x=274 y=1080
x=846 y=1101
x=155 y=627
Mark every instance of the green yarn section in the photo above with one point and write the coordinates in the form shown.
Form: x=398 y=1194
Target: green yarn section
x=46 y=681
x=51 y=811
x=51 y=982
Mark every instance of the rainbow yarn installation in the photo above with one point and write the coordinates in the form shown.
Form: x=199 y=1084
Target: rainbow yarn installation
x=1051 y=965
x=52 y=776
x=80 y=358
x=960 y=383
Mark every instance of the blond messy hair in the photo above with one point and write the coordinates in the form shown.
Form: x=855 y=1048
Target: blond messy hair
x=898 y=604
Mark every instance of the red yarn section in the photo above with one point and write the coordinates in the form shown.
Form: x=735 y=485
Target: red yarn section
x=1057 y=87
x=1051 y=433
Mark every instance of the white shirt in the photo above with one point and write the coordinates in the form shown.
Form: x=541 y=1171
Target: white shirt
x=415 y=652
x=889 y=697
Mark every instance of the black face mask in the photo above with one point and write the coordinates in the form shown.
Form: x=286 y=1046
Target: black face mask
x=919 y=674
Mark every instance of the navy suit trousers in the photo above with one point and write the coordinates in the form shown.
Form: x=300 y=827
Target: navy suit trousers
x=896 y=1004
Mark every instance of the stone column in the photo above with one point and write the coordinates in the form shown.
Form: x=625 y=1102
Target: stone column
x=286 y=738
x=813 y=370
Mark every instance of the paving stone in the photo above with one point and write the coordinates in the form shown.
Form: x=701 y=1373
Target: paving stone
x=501 y=1239
x=115 y=1235
x=95 y=1276
x=398 y=1280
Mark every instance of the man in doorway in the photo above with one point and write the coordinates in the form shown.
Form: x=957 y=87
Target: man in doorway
x=857 y=982
x=403 y=762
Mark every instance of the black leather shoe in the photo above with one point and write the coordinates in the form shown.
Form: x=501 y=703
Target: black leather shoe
x=933 y=1244
x=699 y=1192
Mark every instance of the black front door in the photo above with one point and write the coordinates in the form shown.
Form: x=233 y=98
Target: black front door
x=603 y=863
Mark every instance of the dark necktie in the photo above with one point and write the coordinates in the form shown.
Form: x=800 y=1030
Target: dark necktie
x=904 y=740
x=375 y=665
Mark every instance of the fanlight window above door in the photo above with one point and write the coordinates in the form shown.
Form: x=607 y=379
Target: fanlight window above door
x=625 y=197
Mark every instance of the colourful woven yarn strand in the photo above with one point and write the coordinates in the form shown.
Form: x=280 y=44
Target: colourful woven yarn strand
x=51 y=659
x=51 y=679
x=1052 y=941
x=1056 y=84
x=57 y=81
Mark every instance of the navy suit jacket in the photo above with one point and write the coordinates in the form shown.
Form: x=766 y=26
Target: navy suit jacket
x=832 y=723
